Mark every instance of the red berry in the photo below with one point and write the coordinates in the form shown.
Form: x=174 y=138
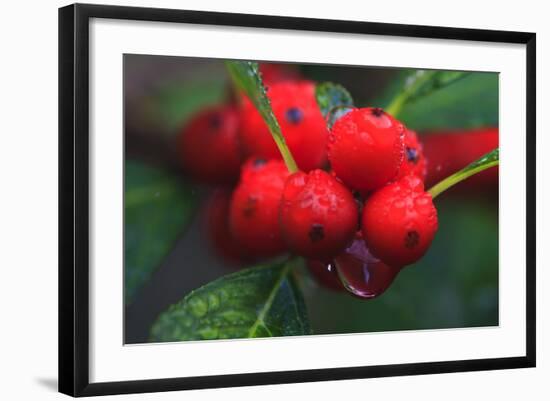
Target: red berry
x=217 y=224
x=325 y=275
x=319 y=215
x=399 y=222
x=301 y=121
x=448 y=152
x=209 y=145
x=254 y=208
x=366 y=148
x=414 y=161
x=275 y=72
x=362 y=273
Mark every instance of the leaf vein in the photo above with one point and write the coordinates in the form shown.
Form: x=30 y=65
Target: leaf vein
x=260 y=320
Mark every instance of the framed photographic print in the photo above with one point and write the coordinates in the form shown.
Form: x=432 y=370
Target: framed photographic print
x=249 y=199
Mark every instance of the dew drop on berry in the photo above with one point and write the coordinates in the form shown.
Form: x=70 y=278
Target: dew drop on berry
x=361 y=273
x=325 y=274
x=399 y=204
x=422 y=201
x=319 y=191
x=324 y=201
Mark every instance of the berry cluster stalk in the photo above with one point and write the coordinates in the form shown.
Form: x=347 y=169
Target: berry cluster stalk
x=489 y=160
x=395 y=106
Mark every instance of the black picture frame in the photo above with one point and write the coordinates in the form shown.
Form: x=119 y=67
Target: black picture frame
x=74 y=198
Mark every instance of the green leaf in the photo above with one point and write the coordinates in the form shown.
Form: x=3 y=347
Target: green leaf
x=488 y=160
x=434 y=80
x=157 y=207
x=421 y=83
x=470 y=102
x=257 y=302
x=333 y=100
x=246 y=77
x=330 y=95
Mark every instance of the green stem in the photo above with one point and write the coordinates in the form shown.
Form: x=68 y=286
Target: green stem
x=397 y=103
x=489 y=160
x=284 y=150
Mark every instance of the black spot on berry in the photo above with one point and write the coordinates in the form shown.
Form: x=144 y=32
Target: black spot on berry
x=411 y=239
x=412 y=155
x=294 y=115
x=215 y=121
x=249 y=209
x=259 y=163
x=377 y=112
x=316 y=232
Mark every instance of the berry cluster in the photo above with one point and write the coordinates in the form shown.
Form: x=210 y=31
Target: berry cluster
x=357 y=209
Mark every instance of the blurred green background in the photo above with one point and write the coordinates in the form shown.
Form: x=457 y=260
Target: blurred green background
x=454 y=285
